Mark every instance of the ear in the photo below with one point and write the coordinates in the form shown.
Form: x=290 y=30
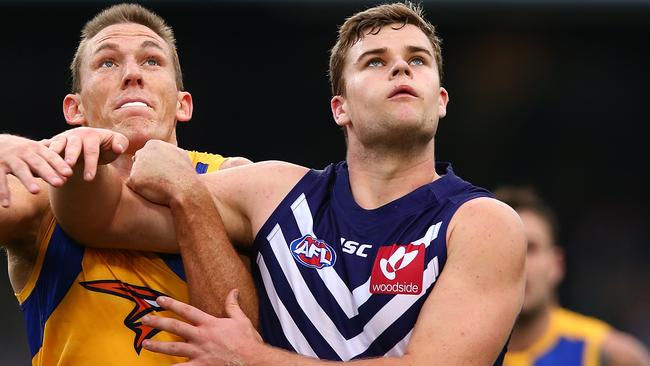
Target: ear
x=443 y=99
x=338 y=104
x=559 y=264
x=73 y=110
x=184 y=107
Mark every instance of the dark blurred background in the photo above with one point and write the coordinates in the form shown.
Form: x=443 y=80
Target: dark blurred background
x=552 y=93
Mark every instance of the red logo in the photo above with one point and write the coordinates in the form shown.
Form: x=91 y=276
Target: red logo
x=398 y=269
x=145 y=303
x=312 y=253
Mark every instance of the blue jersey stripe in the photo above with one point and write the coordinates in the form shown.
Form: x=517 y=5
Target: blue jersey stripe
x=566 y=352
x=202 y=168
x=175 y=263
x=61 y=266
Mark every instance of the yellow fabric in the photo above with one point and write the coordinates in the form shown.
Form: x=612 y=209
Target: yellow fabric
x=569 y=325
x=214 y=161
x=89 y=327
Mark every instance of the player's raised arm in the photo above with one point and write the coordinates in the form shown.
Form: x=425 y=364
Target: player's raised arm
x=97 y=208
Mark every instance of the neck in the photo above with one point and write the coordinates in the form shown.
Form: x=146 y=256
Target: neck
x=379 y=177
x=529 y=328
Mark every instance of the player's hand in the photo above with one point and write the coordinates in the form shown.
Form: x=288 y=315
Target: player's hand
x=95 y=145
x=160 y=171
x=208 y=340
x=29 y=160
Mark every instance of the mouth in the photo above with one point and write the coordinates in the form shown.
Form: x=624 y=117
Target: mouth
x=133 y=104
x=403 y=91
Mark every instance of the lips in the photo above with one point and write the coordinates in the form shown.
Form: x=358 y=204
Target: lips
x=403 y=90
x=132 y=102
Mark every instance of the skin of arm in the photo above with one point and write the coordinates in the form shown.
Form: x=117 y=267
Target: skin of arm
x=622 y=349
x=20 y=225
x=163 y=174
x=465 y=321
x=125 y=219
x=26 y=168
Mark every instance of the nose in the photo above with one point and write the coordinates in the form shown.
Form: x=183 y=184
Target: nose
x=401 y=67
x=132 y=75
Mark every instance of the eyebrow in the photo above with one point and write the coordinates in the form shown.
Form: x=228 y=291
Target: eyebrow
x=415 y=49
x=381 y=50
x=115 y=46
x=374 y=51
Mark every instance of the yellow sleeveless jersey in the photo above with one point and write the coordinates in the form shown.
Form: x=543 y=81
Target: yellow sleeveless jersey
x=83 y=306
x=571 y=339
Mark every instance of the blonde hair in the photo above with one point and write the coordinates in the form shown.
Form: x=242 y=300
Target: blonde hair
x=370 y=21
x=119 y=14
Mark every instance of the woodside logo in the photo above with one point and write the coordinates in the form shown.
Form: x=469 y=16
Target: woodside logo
x=398 y=269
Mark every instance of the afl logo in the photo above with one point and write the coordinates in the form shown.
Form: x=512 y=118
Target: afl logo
x=312 y=253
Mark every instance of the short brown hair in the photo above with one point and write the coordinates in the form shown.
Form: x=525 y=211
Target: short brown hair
x=119 y=14
x=370 y=21
x=526 y=198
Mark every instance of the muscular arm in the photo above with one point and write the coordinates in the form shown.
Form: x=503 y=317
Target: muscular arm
x=621 y=349
x=165 y=175
x=19 y=229
x=23 y=195
x=465 y=321
x=96 y=207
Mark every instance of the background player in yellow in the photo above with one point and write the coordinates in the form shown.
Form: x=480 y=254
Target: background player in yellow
x=545 y=333
x=83 y=305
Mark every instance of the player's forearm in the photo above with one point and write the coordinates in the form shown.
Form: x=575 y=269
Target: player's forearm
x=212 y=265
x=266 y=355
x=86 y=208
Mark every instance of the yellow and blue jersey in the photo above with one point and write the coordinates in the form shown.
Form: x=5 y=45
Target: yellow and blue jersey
x=571 y=339
x=83 y=306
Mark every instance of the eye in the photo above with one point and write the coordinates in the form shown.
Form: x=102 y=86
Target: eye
x=417 y=61
x=152 y=61
x=107 y=63
x=375 y=62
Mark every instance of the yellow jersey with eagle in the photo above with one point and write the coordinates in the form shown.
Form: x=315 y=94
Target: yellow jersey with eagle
x=82 y=306
x=571 y=339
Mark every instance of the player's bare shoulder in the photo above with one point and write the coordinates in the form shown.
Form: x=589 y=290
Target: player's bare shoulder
x=487 y=220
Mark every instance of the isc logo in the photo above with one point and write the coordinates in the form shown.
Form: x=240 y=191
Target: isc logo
x=312 y=252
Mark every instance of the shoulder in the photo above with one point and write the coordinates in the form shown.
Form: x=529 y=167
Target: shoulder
x=257 y=175
x=570 y=320
x=620 y=348
x=488 y=221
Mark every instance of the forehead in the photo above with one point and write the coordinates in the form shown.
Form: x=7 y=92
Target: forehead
x=123 y=33
x=393 y=37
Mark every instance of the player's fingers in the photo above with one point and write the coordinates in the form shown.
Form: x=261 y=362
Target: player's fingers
x=58 y=143
x=189 y=312
x=42 y=168
x=91 y=155
x=23 y=172
x=55 y=161
x=73 y=150
x=170 y=325
x=232 y=305
x=119 y=143
x=181 y=349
